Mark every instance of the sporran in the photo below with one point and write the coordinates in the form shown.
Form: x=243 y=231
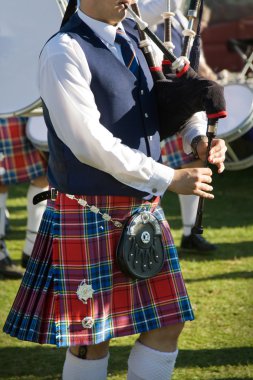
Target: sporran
x=140 y=253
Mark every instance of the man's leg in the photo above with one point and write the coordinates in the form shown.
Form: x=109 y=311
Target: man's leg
x=7 y=268
x=154 y=354
x=189 y=205
x=86 y=362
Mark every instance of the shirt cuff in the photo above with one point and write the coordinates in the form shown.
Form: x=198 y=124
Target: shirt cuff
x=161 y=179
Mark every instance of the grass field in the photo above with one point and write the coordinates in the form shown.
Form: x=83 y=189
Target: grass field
x=219 y=343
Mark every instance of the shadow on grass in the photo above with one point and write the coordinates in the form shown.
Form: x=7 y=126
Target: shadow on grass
x=225 y=251
x=224 y=276
x=235 y=356
x=26 y=361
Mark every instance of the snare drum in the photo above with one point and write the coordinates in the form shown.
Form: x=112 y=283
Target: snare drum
x=237 y=128
x=25 y=26
x=36 y=132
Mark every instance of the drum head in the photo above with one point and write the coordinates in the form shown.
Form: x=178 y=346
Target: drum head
x=25 y=26
x=239 y=100
x=36 y=131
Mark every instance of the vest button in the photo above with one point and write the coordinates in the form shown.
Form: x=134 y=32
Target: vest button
x=142 y=92
x=146 y=115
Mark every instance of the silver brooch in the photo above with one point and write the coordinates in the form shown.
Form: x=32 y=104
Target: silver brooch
x=87 y=322
x=84 y=292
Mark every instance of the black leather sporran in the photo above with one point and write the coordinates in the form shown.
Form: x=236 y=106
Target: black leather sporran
x=140 y=253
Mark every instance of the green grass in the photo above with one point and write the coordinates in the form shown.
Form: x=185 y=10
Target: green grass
x=219 y=343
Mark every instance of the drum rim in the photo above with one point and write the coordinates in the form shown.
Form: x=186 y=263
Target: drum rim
x=240 y=164
x=25 y=111
x=245 y=125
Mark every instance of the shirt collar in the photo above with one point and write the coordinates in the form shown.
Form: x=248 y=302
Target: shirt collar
x=103 y=30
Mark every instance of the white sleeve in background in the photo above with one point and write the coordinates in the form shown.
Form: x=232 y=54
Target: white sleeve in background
x=151 y=10
x=64 y=81
x=197 y=125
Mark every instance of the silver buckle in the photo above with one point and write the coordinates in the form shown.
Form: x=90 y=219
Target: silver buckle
x=54 y=194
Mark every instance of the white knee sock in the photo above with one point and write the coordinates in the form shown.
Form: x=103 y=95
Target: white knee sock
x=82 y=369
x=3 y=199
x=189 y=206
x=144 y=363
x=34 y=215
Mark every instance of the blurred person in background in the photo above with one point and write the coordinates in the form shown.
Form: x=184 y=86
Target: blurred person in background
x=20 y=163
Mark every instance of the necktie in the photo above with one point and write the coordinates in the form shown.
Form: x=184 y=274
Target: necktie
x=127 y=51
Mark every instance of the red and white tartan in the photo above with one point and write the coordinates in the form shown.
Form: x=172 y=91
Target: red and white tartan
x=75 y=254
x=21 y=160
x=173 y=154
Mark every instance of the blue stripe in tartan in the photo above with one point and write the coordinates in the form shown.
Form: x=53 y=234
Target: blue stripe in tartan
x=173 y=154
x=100 y=276
x=103 y=329
x=173 y=259
x=145 y=319
x=186 y=309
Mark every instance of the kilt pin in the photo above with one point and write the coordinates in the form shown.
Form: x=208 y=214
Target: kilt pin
x=21 y=161
x=73 y=292
x=173 y=154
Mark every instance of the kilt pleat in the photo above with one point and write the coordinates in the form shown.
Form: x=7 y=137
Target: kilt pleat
x=21 y=160
x=173 y=154
x=35 y=297
x=73 y=291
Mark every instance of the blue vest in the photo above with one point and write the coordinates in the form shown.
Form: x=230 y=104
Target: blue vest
x=128 y=110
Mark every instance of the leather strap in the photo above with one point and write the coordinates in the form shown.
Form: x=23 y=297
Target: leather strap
x=49 y=194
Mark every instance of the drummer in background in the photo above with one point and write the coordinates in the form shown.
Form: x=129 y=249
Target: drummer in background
x=173 y=154
x=20 y=162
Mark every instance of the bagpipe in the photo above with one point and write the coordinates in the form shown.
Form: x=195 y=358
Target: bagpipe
x=180 y=91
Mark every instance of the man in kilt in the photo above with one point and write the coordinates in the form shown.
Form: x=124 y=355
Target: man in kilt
x=20 y=162
x=104 y=166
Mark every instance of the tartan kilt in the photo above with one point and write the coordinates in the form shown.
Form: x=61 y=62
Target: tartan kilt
x=21 y=160
x=173 y=154
x=74 y=254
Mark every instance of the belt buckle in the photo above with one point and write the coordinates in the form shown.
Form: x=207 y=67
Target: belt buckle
x=54 y=193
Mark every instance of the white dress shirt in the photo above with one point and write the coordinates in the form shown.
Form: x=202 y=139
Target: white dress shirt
x=64 y=82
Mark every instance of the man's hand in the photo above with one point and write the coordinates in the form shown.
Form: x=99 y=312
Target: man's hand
x=216 y=154
x=192 y=181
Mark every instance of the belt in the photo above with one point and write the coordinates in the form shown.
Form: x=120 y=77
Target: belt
x=52 y=194
x=48 y=194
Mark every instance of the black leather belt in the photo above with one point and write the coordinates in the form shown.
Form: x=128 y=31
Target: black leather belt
x=49 y=194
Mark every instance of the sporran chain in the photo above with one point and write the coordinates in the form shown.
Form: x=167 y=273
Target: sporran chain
x=95 y=210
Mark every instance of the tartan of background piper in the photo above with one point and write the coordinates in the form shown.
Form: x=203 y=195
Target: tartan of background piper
x=173 y=154
x=21 y=160
x=76 y=246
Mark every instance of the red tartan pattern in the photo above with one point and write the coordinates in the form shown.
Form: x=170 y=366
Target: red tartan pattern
x=75 y=244
x=22 y=161
x=173 y=154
